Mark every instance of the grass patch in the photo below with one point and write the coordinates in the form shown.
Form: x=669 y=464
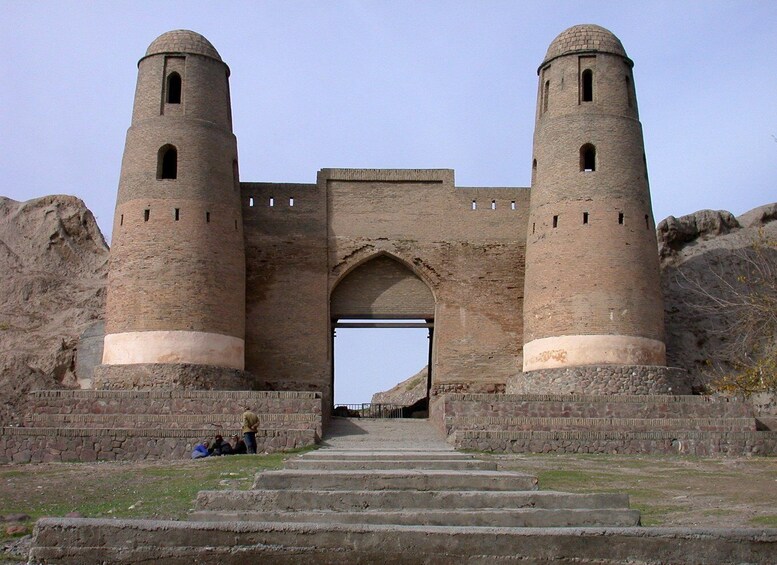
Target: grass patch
x=163 y=490
x=770 y=520
x=655 y=515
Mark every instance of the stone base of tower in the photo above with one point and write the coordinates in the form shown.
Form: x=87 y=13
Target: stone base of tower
x=601 y=379
x=149 y=376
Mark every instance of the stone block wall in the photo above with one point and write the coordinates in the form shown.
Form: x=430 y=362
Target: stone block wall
x=695 y=425
x=602 y=379
x=97 y=425
x=44 y=445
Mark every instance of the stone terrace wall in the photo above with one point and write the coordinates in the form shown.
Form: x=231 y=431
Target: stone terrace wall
x=97 y=425
x=600 y=424
x=43 y=445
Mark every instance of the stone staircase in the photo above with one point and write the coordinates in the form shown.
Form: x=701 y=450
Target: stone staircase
x=517 y=423
x=107 y=425
x=386 y=483
x=392 y=491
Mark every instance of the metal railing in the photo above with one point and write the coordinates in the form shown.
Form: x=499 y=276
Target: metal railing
x=368 y=410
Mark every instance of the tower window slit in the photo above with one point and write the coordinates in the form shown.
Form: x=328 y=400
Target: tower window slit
x=291 y=201
x=272 y=201
x=493 y=204
x=545 y=96
x=647 y=221
x=588 y=85
x=620 y=218
x=628 y=91
x=251 y=202
x=585 y=217
x=146 y=214
x=512 y=204
x=207 y=217
x=173 y=88
x=121 y=220
x=555 y=221
x=177 y=214
x=474 y=204
x=533 y=227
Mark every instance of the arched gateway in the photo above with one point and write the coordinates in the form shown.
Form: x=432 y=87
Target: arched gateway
x=383 y=287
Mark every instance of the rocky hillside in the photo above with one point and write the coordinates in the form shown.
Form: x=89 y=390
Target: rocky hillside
x=53 y=265
x=406 y=393
x=704 y=257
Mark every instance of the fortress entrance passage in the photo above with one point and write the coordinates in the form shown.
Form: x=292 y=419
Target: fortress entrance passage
x=383 y=314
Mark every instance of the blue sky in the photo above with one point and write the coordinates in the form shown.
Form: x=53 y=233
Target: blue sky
x=392 y=84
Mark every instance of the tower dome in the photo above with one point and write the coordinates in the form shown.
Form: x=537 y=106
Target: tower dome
x=183 y=41
x=584 y=38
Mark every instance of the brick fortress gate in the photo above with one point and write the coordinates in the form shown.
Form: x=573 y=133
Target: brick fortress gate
x=545 y=301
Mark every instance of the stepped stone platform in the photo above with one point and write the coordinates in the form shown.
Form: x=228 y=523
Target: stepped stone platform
x=539 y=423
x=107 y=425
x=395 y=492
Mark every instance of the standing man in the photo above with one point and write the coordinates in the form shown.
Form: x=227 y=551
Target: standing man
x=250 y=426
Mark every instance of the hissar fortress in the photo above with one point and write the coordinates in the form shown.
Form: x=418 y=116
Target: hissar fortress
x=518 y=285
x=543 y=304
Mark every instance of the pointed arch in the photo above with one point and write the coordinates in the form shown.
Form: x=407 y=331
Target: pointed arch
x=382 y=286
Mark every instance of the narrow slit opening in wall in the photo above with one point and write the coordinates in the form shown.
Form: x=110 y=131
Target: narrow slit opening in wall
x=555 y=221
x=121 y=220
x=291 y=201
x=251 y=202
x=235 y=225
x=585 y=217
x=207 y=217
x=174 y=88
x=493 y=204
x=647 y=221
x=272 y=201
x=366 y=360
x=177 y=214
x=474 y=205
x=146 y=214
x=588 y=85
x=620 y=218
x=512 y=204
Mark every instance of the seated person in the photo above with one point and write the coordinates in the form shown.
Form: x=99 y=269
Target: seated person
x=220 y=447
x=200 y=450
x=238 y=445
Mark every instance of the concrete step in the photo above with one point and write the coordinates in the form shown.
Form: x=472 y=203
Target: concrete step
x=407 y=479
x=213 y=422
x=448 y=454
x=591 y=406
x=514 y=518
x=393 y=464
x=616 y=441
x=95 y=541
x=492 y=423
x=304 y=500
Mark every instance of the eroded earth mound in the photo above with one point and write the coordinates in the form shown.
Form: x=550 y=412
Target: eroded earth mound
x=53 y=266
